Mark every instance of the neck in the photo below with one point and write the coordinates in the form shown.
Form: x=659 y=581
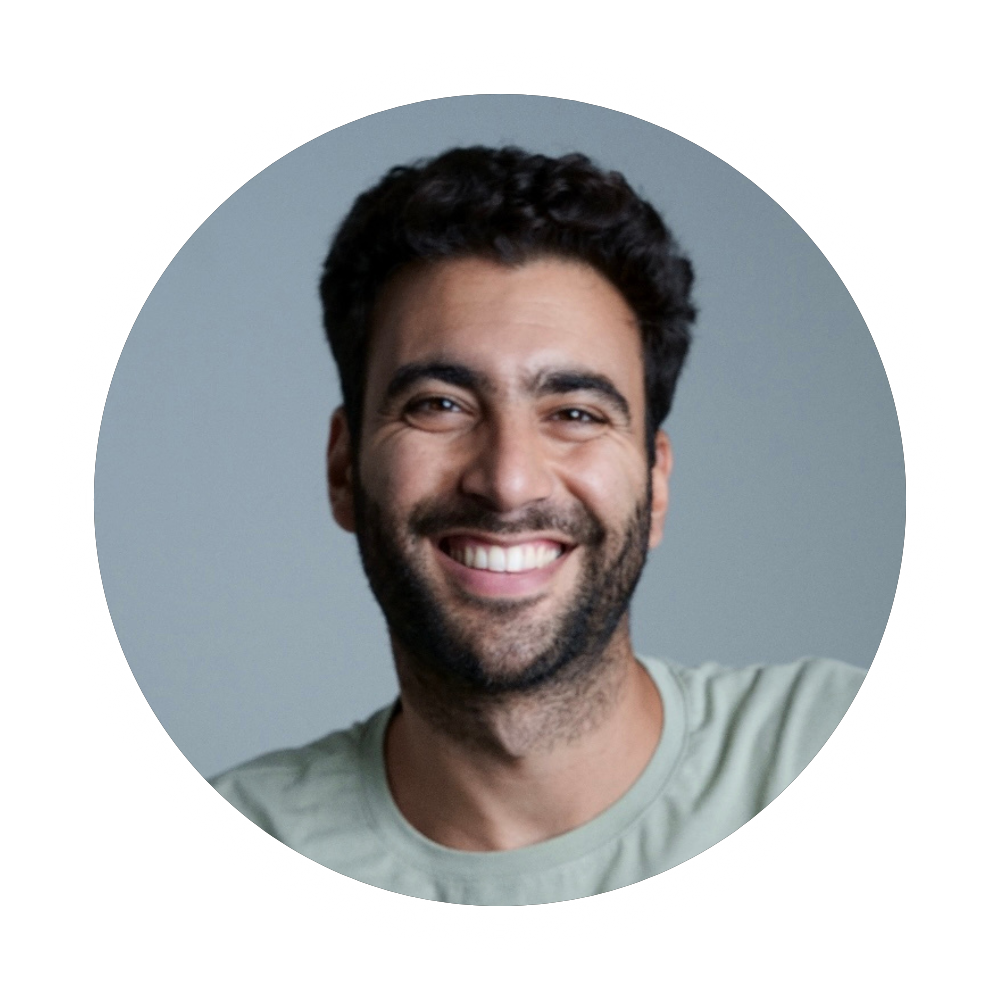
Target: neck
x=491 y=772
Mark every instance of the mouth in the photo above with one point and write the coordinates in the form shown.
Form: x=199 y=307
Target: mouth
x=508 y=557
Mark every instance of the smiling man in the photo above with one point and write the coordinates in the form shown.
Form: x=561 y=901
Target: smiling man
x=509 y=331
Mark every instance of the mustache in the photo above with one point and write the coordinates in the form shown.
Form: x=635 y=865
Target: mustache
x=433 y=517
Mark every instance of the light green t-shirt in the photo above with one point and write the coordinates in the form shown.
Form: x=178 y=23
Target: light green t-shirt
x=732 y=740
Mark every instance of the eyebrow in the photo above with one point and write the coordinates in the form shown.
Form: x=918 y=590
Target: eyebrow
x=559 y=381
x=459 y=376
x=548 y=382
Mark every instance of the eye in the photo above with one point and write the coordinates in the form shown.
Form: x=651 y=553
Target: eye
x=434 y=412
x=574 y=423
x=433 y=404
x=575 y=415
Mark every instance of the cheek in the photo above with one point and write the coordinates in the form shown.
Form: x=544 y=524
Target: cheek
x=399 y=473
x=610 y=482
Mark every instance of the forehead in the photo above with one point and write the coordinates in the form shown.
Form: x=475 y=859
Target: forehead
x=508 y=322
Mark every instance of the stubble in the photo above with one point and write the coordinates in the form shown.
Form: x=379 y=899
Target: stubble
x=478 y=648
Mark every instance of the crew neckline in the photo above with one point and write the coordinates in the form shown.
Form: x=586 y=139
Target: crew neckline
x=406 y=842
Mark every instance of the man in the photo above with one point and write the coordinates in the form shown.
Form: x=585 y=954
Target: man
x=509 y=330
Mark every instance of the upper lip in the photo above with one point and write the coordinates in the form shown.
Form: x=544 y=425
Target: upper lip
x=505 y=541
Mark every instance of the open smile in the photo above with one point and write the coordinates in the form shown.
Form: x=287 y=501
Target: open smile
x=492 y=567
x=520 y=557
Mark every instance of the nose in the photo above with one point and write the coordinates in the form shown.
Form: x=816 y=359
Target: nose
x=509 y=467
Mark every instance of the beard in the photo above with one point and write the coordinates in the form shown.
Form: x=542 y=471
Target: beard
x=498 y=647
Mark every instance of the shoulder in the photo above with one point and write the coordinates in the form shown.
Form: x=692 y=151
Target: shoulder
x=811 y=684
x=769 y=718
x=286 y=791
x=281 y=769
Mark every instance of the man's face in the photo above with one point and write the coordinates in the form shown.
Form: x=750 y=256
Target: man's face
x=503 y=497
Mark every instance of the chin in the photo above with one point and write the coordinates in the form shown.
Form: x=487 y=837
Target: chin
x=548 y=652
x=455 y=635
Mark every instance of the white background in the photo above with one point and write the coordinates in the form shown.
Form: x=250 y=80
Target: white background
x=127 y=125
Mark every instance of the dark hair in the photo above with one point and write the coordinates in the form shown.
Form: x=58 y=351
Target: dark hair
x=509 y=206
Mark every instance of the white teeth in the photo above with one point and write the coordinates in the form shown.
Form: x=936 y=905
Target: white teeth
x=546 y=555
x=497 y=559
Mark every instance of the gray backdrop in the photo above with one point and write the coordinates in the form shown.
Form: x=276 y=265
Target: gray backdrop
x=242 y=608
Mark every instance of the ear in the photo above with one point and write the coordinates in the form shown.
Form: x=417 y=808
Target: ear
x=340 y=472
x=663 y=464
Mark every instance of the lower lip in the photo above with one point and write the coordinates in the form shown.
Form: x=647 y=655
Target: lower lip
x=483 y=583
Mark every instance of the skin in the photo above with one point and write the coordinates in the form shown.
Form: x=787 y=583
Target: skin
x=508 y=397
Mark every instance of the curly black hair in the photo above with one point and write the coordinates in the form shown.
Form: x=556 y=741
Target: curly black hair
x=509 y=206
